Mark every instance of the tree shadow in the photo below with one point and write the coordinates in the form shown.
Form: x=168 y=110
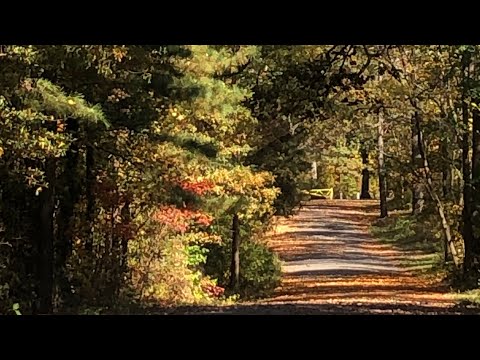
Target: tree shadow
x=305 y=308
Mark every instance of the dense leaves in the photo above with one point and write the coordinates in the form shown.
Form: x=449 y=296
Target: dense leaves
x=122 y=167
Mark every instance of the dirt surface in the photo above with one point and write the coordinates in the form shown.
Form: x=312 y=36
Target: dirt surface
x=331 y=265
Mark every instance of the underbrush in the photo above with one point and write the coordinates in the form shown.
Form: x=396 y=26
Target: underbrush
x=260 y=270
x=469 y=297
x=166 y=271
x=419 y=239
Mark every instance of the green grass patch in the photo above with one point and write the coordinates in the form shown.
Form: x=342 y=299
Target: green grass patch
x=469 y=297
x=423 y=251
x=467 y=288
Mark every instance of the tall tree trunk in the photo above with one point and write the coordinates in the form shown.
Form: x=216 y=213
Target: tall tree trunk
x=446 y=183
x=402 y=189
x=418 y=189
x=431 y=190
x=365 y=192
x=235 y=264
x=447 y=180
x=90 y=182
x=126 y=221
x=120 y=251
x=475 y=202
x=467 y=229
x=382 y=172
x=45 y=240
x=69 y=197
x=446 y=171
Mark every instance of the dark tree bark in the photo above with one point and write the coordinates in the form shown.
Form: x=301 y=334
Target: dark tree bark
x=45 y=240
x=126 y=221
x=446 y=183
x=475 y=199
x=90 y=183
x=418 y=188
x=382 y=172
x=467 y=228
x=19 y=225
x=365 y=192
x=235 y=263
x=446 y=171
x=70 y=193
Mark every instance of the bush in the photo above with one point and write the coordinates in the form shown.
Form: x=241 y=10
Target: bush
x=164 y=270
x=260 y=270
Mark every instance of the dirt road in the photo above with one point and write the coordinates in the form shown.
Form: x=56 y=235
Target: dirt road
x=332 y=265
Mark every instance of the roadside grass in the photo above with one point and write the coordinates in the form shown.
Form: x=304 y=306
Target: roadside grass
x=467 y=287
x=423 y=252
x=469 y=297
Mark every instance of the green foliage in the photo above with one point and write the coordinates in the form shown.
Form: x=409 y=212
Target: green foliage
x=120 y=165
x=196 y=255
x=137 y=136
x=413 y=237
x=16 y=309
x=261 y=271
x=260 y=268
x=340 y=169
x=50 y=98
x=469 y=297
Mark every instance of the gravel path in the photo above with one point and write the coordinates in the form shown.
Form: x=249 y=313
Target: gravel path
x=332 y=265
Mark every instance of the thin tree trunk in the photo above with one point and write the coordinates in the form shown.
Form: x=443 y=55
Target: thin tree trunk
x=382 y=173
x=418 y=191
x=467 y=229
x=446 y=183
x=475 y=202
x=445 y=250
x=235 y=264
x=447 y=171
x=365 y=192
x=126 y=221
x=446 y=187
x=90 y=182
x=402 y=190
x=430 y=188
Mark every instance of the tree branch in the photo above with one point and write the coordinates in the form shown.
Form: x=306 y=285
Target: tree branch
x=238 y=72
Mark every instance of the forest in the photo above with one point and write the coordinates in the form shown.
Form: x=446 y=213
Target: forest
x=139 y=176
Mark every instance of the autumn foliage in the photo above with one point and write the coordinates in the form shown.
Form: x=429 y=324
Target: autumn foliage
x=181 y=220
x=122 y=167
x=200 y=187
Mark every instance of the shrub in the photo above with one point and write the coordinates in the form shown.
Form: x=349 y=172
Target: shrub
x=260 y=269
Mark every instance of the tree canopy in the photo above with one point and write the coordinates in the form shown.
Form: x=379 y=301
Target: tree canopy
x=146 y=174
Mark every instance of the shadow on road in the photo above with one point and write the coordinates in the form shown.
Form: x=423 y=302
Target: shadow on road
x=331 y=265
